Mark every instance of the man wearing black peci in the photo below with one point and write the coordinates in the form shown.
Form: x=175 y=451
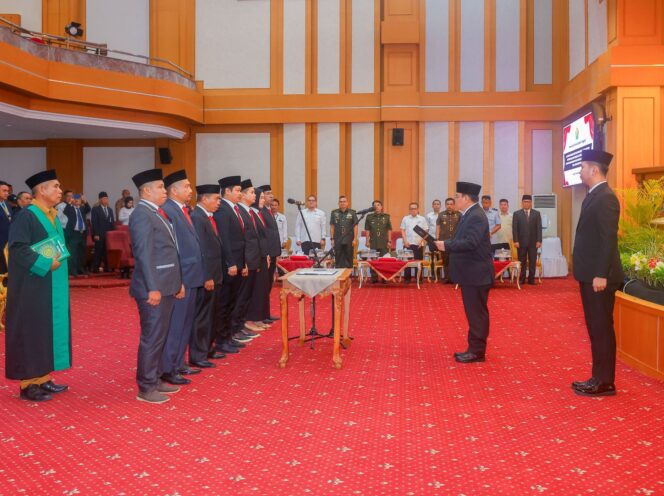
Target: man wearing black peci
x=471 y=267
x=101 y=221
x=527 y=236
x=599 y=272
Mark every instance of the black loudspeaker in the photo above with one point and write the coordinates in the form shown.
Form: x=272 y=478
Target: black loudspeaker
x=397 y=136
x=165 y=156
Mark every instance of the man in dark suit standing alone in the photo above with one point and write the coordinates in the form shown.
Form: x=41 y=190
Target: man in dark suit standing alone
x=527 y=235
x=75 y=233
x=193 y=278
x=208 y=300
x=155 y=282
x=599 y=272
x=471 y=267
x=102 y=221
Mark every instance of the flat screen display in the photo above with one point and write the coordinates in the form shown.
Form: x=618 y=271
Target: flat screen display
x=578 y=135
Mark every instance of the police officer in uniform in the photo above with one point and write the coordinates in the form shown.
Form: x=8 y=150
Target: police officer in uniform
x=446 y=226
x=342 y=221
x=379 y=232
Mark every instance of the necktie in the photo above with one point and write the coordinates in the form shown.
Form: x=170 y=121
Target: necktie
x=214 y=225
x=163 y=214
x=185 y=210
x=253 y=219
x=105 y=212
x=261 y=217
x=4 y=207
x=79 y=220
x=239 y=217
x=527 y=214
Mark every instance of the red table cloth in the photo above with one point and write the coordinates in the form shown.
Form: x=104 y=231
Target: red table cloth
x=387 y=268
x=500 y=265
x=295 y=262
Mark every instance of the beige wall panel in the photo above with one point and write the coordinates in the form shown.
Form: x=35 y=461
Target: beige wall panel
x=328 y=46
x=363 y=46
x=294 y=47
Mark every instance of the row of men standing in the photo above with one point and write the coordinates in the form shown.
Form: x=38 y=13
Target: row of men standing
x=202 y=278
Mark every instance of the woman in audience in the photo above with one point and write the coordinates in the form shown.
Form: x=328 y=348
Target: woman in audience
x=126 y=211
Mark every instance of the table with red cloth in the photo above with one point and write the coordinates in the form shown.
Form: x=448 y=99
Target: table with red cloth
x=295 y=262
x=501 y=266
x=389 y=268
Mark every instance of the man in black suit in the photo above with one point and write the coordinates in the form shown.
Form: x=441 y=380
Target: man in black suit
x=231 y=231
x=274 y=242
x=471 y=267
x=5 y=220
x=527 y=235
x=102 y=221
x=599 y=272
x=208 y=301
x=155 y=283
x=252 y=262
x=76 y=232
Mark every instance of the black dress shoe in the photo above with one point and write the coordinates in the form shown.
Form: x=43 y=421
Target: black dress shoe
x=51 y=387
x=274 y=318
x=587 y=383
x=175 y=379
x=596 y=389
x=214 y=355
x=468 y=357
x=188 y=371
x=204 y=364
x=34 y=393
x=228 y=348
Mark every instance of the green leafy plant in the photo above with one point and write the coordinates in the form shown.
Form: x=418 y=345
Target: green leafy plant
x=640 y=242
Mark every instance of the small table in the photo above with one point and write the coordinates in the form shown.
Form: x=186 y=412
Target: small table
x=364 y=265
x=340 y=291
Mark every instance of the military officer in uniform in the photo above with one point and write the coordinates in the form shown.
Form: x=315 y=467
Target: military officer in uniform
x=446 y=226
x=379 y=232
x=343 y=231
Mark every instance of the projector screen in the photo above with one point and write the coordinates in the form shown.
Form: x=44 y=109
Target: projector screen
x=578 y=135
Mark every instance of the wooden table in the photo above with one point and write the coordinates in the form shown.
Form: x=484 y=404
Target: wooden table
x=363 y=265
x=340 y=291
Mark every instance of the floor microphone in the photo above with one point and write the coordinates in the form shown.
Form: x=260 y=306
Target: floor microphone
x=295 y=202
x=365 y=211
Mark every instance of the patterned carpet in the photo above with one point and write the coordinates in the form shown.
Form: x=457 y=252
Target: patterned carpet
x=401 y=417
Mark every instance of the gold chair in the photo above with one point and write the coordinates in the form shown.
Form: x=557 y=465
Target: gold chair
x=289 y=242
x=437 y=265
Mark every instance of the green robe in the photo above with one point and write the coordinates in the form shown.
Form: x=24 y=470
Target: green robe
x=38 y=330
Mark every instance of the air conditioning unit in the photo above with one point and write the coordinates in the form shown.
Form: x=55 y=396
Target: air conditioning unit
x=547 y=206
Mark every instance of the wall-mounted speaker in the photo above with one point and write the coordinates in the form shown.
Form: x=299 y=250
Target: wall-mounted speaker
x=397 y=136
x=165 y=156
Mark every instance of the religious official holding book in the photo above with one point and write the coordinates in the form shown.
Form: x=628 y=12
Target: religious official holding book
x=38 y=336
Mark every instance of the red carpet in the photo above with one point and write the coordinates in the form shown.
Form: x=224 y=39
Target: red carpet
x=401 y=418
x=99 y=281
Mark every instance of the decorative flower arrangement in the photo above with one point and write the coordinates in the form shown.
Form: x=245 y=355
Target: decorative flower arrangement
x=641 y=243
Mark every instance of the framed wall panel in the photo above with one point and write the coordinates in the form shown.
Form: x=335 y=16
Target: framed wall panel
x=506 y=163
x=542 y=161
x=294 y=170
x=508 y=20
x=31 y=160
x=328 y=46
x=471 y=152
x=543 y=41
x=437 y=45
x=472 y=45
x=328 y=166
x=363 y=46
x=577 y=37
x=121 y=24
x=436 y=157
x=225 y=154
x=294 y=47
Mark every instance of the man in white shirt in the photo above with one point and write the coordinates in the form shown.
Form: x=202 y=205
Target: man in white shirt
x=411 y=240
x=504 y=235
x=282 y=222
x=432 y=217
x=315 y=219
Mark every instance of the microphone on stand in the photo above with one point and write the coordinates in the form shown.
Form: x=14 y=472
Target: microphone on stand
x=365 y=211
x=295 y=202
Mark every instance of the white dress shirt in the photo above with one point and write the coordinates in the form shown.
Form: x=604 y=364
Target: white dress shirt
x=123 y=215
x=432 y=218
x=315 y=222
x=505 y=233
x=282 y=224
x=408 y=223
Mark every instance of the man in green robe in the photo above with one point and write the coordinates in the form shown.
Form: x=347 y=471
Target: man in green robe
x=38 y=330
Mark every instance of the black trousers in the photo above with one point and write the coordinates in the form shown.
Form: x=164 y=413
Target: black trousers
x=530 y=253
x=205 y=322
x=239 y=315
x=76 y=246
x=100 y=254
x=475 y=304
x=179 y=331
x=418 y=254
x=307 y=246
x=230 y=290
x=259 y=302
x=154 y=330
x=598 y=311
x=446 y=268
x=271 y=271
x=343 y=255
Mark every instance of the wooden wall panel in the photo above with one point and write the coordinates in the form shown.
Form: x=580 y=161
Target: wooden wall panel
x=66 y=157
x=56 y=14
x=640 y=22
x=401 y=175
x=401 y=71
x=172 y=32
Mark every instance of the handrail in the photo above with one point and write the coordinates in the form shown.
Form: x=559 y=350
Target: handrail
x=88 y=46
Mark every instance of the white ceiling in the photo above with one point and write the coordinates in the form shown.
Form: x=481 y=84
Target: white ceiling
x=17 y=123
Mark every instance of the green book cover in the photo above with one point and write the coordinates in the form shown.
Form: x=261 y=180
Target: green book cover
x=50 y=247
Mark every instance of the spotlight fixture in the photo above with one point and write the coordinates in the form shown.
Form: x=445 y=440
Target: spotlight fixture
x=74 y=29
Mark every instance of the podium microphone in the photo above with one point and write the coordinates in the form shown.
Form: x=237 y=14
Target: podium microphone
x=295 y=202
x=365 y=211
